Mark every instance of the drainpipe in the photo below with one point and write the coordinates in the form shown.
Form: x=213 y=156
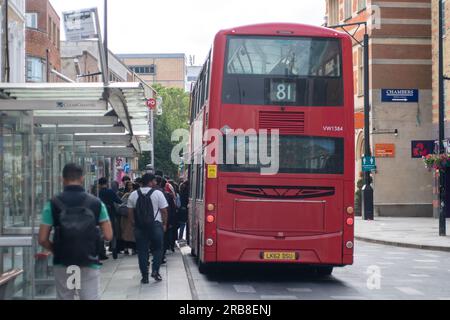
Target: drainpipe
x=47 y=53
x=442 y=178
x=6 y=26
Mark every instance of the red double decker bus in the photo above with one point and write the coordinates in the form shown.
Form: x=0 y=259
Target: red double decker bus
x=296 y=79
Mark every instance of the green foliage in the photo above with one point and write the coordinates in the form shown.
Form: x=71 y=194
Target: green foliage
x=175 y=116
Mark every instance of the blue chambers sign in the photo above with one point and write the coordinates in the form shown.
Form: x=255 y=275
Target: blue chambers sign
x=400 y=95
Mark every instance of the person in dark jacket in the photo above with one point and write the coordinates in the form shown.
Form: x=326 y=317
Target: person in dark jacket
x=110 y=198
x=183 y=211
x=172 y=218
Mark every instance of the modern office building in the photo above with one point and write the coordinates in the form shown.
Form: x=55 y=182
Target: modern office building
x=168 y=70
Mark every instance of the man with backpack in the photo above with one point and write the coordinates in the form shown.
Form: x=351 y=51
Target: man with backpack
x=149 y=208
x=76 y=218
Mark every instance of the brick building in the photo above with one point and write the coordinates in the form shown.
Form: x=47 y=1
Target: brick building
x=435 y=40
x=435 y=53
x=81 y=64
x=400 y=59
x=42 y=41
x=166 y=69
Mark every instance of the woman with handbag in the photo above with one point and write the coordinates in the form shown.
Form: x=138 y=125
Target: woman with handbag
x=127 y=223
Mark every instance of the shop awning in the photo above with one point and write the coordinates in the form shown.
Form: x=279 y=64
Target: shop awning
x=81 y=109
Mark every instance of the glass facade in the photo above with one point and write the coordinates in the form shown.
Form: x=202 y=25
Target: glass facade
x=16 y=197
x=31 y=161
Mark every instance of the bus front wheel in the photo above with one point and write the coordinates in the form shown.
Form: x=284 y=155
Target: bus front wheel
x=324 y=271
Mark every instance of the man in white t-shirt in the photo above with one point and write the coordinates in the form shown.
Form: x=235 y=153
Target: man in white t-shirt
x=154 y=234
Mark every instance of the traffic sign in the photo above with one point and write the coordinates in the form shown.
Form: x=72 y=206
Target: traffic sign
x=126 y=168
x=151 y=103
x=80 y=24
x=369 y=164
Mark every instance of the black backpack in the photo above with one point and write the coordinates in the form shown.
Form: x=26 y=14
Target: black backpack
x=144 y=216
x=77 y=235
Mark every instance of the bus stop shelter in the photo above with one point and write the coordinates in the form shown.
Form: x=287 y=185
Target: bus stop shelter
x=103 y=128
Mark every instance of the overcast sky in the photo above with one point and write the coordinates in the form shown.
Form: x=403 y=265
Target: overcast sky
x=181 y=26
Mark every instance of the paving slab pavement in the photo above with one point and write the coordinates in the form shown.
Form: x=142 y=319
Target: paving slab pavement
x=121 y=280
x=418 y=233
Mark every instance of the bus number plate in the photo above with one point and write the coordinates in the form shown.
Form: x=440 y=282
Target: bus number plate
x=280 y=256
x=283 y=91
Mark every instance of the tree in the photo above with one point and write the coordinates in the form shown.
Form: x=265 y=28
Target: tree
x=175 y=116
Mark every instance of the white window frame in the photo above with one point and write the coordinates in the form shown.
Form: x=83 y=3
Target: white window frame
x=35 y=69
x=444 y=18
x=333 y=12
x=360 y=71
x=362 y=4
x=348 y=9
x=32 y=20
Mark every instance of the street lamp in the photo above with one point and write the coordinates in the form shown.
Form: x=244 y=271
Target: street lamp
x=367 y=190
x=442 y=78
x=105 y=40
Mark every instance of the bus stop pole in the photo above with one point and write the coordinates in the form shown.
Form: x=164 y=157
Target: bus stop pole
x=442 y=178
x=367 y=191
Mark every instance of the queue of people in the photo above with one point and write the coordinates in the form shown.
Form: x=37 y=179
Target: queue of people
x=117 y=201
x=141 y=217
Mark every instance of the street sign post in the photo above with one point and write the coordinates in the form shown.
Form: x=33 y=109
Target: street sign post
x=151 y=103
x=369 y=164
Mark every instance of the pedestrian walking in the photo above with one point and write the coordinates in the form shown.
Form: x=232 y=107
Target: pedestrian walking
x=149 y=208
x=76 y=218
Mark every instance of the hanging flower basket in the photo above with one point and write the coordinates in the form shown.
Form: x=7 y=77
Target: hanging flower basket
x=437 y=161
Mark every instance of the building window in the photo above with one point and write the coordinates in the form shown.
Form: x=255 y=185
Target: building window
x=348 y=4
x=32 y=20
x=49 y=29
x=333 y=12
x=360 y=71
x=361 y=4
x=35 y=69
x=444 y=18
x=150 y=69
x=113 y=77
x=54 y=34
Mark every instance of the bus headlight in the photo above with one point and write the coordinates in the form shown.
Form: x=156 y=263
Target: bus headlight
x=210 y=242
x=349 y=245
x=350 y=210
